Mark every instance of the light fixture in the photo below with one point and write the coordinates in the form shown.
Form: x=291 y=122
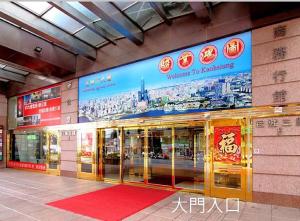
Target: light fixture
x=38 y=49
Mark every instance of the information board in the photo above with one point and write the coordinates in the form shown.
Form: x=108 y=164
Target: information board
x=40 y=107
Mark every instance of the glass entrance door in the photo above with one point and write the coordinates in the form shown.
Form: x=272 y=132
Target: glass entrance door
x=160 y=156
x=133 y=162
x=53 y=153
x=189 y=158
x=87 y=154
x=111 y=150
x=228 y=151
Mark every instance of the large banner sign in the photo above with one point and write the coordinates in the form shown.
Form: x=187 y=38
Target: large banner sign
x=227 y=144
x=40 y=107
x=215 y=75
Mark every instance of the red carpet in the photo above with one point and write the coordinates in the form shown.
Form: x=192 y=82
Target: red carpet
x=112 y=203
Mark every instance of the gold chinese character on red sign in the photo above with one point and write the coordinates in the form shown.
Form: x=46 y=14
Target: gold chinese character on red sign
x=208 y=54
x=165 y=64
x=227 y=144
x=185 y=59
x=233 y=48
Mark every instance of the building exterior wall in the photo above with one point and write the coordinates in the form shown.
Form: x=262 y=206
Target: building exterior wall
x=69 y=110
x=69 y=101
x=276 y=141
x=3 y=122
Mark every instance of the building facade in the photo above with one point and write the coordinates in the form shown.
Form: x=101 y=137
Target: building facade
x=219 y=118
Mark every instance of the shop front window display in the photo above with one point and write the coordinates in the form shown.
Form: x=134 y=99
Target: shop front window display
x=29 y=147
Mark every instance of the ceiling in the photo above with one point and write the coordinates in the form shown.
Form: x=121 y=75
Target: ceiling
x=84 y=22
x=37 y=30
x=77 y=28
x=8 y=73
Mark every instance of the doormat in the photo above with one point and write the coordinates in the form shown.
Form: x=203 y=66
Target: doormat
x=112 y=203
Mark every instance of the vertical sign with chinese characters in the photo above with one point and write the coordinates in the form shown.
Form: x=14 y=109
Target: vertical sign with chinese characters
x=227 y=144
x=276 y=64
x=1 y=142
x=40 y=107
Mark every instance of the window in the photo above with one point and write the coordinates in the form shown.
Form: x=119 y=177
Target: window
x=29 y=147
x=90 y=37
x=36 y=7
x=144 y=15
x=63 y=21
x=79 y=7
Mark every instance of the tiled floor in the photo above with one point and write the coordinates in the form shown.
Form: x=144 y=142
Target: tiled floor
x=23 y=196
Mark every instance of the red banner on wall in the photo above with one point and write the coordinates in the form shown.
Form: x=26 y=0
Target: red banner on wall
x=26 y=165
x=40 y=107
x=227 y=144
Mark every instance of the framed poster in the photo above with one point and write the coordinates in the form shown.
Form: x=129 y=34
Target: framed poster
x=41 y=107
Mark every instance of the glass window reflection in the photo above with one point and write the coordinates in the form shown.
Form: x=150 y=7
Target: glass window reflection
x=189 y=154
x=160 y=156
x=134 y=155
x=29 y=147
x=111 y=154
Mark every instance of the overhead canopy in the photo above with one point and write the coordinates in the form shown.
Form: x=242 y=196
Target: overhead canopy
x=81 y=28
x=67 y=29
x=10 y=73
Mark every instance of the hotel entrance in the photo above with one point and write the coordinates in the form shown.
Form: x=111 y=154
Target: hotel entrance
x=171 y=156
x=157 y=121
x=211 y=157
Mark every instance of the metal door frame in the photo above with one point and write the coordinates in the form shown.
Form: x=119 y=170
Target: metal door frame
x=48 y=135
x=146 y=128
x=245 y=192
